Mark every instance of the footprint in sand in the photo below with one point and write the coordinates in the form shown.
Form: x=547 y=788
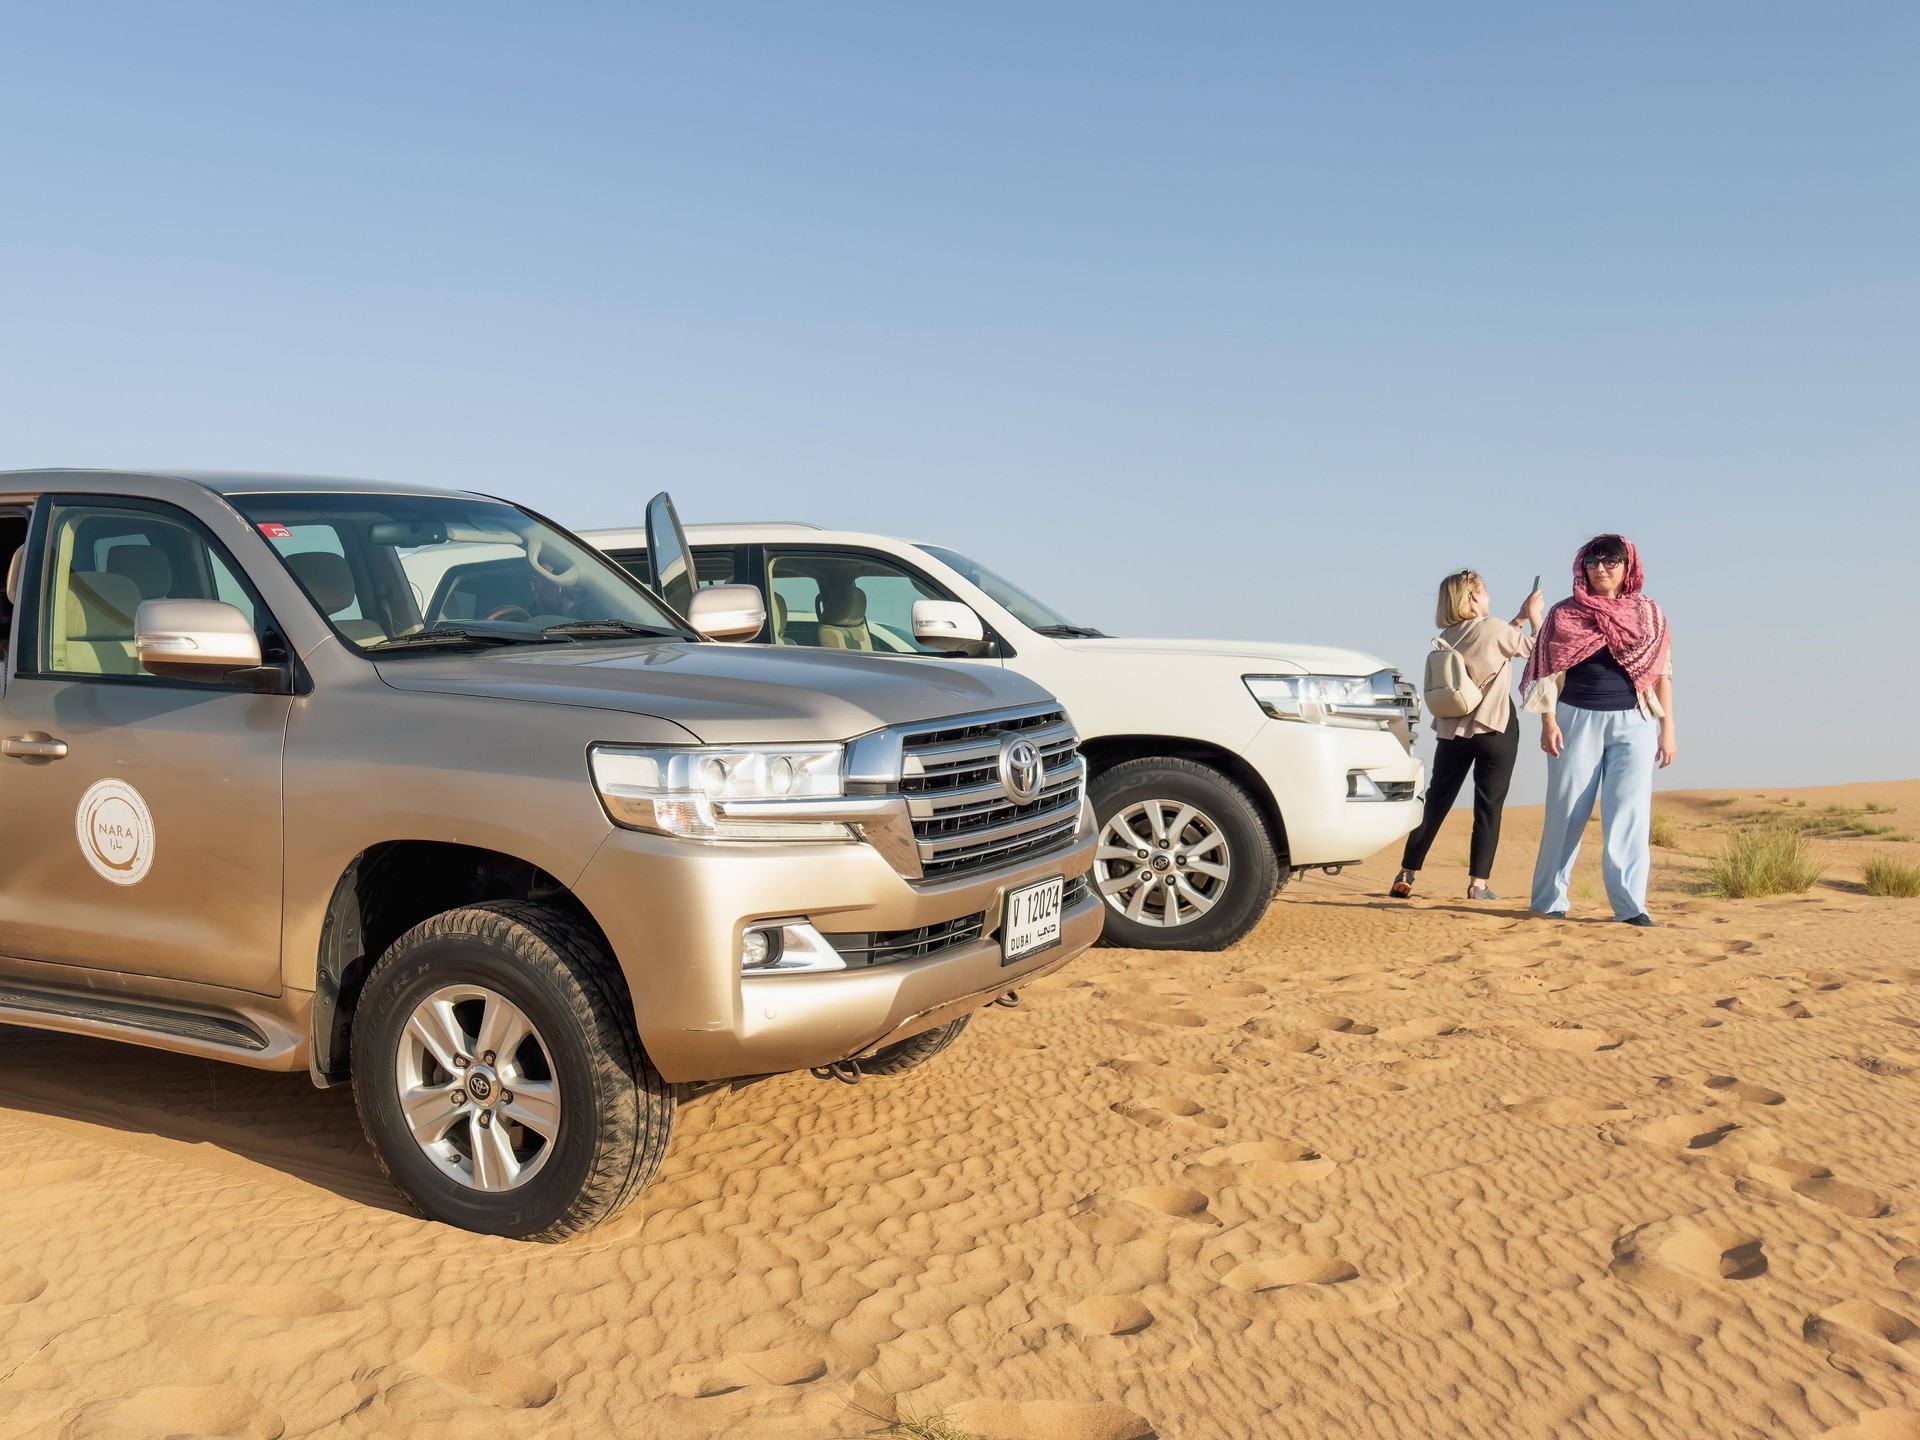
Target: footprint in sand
x=1566 y=1035
x=503 y=1382
x=1734 y=1088
x=737 y=1372
x=1157 y=1069
x=1165 y=1015
x=1162 y=1110
x=1430 y=1027
x=1175 y=1201
x=1050 y=1420
x=1282 y=1036
x=1340 y=1024
x=18 y=1285
x=1237 y=989
x=1259 y=1162
x=1907 y=1271
x=1861 y=1330
x=1687 y=1258
x=1564 y=1109
x=1253 y=1277
x=1688 y=1132
x=218 y=1412
x=1817 y=1182
x=1111 y=1315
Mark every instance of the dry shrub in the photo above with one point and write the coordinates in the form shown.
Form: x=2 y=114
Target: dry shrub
x=1769 y=860
x=1663 y=831
x=1890 y=875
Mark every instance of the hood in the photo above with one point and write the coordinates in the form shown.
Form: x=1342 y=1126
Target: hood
x=1278 y=659
x=723 y=694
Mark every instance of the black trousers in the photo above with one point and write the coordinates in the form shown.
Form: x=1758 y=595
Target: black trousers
x=1491 y=758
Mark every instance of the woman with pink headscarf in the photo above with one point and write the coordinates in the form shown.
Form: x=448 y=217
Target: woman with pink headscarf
x=1601 y=680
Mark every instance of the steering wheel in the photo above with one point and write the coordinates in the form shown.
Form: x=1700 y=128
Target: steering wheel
x=569 y=572
x=509 y=612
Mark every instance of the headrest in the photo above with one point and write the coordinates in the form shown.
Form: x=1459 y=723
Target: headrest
x=326 y=577
x=13 y=575
x=779 y=608
x=100 y=606
x=146 y=566
x=842 y=605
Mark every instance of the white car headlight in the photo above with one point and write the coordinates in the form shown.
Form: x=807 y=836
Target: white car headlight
x=687 y=791
x=1320 y=699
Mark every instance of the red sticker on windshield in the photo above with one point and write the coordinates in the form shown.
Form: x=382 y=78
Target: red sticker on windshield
x=274 y=531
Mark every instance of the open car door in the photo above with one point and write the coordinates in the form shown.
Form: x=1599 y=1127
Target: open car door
x=671 y=559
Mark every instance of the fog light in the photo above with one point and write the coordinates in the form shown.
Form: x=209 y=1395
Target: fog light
x=759 y=949
x=1362 y=786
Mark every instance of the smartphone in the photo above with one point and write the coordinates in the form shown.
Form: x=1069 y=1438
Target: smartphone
x=1536 y=584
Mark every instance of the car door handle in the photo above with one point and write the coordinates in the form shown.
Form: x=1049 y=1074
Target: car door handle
x=34 y=745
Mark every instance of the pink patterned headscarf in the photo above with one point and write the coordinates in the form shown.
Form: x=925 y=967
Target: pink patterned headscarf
x=1629 y=624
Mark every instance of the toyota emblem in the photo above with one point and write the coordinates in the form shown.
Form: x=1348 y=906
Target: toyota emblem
x=1021 y=773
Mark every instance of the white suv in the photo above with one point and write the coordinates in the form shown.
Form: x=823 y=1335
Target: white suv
x=1219 y=768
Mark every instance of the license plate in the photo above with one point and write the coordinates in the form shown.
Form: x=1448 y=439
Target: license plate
x=1033 y=920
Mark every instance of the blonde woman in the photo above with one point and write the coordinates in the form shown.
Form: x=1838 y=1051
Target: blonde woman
x=1485 y=742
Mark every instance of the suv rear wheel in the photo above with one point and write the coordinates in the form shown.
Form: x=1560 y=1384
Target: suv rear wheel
x=499 y=1077
x=1184 y=861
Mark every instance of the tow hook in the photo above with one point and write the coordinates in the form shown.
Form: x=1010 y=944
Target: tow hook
x=1011 y=1000
x=847 y=1072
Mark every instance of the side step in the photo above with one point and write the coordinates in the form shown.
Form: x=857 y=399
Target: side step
x=227 y=1032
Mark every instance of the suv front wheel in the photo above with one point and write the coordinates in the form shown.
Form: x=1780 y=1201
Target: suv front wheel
x=1184 y=861
x=499 y=1077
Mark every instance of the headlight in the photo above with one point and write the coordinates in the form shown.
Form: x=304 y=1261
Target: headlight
x=1325 y=699
x=687 y=790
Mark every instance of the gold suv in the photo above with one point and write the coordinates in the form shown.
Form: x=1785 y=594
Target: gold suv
x=416 y=791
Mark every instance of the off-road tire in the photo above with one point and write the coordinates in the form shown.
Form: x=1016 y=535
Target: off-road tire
x=1256 y=870
x=914 y=1051
x=617 y=1113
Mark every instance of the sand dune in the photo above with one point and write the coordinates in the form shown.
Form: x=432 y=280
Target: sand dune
x=1384 y=1170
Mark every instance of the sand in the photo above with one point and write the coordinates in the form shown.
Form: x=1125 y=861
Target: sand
x=1384 y=1169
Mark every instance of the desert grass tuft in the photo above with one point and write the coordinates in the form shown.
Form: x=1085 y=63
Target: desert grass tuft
x=1768 y=860
x=903 y=1422
x=1663 y=831
x=1890 y=875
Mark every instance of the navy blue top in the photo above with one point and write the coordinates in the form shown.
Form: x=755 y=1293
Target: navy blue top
x=1599 y=683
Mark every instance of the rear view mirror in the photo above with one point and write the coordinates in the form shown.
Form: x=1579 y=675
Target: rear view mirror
x=194 y=639
x=947 y=625
x=408 y=534
x=728 y=612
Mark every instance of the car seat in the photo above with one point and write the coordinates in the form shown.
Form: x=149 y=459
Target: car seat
x=779 y=619
x=843 y=617
x=99 y=626
x=329 y=581
x=146 y=566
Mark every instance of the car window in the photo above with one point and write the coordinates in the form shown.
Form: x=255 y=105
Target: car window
x=710 y=566
x=846 y=600
x=387 y=568
x=104 y=561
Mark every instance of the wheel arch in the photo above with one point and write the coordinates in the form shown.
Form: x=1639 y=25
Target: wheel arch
x=384 y=892
x=1103 y=752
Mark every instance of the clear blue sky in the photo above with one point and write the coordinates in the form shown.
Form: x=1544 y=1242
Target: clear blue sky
x=1211 y=320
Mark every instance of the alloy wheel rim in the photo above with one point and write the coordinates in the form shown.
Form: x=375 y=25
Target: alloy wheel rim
x=477 y=1088
x=1162 y=863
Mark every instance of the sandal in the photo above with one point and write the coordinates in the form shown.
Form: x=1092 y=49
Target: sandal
x=1402 y=885
x=1479 y=890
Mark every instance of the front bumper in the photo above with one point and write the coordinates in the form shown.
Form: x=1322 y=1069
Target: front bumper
x=1306 y=767
x=674 y=913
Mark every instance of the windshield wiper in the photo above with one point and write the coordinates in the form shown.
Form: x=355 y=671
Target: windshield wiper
x=1071 y=632
x=424 y=639
x=588 y=629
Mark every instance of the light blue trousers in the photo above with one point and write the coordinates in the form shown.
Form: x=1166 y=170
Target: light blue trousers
x=1608 y=754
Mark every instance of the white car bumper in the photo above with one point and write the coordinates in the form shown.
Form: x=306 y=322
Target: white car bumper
x=1308 y=769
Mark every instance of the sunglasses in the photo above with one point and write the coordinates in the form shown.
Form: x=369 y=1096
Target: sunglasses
x=1593 y=562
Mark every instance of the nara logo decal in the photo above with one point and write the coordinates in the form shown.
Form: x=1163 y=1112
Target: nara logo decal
x=116 y=831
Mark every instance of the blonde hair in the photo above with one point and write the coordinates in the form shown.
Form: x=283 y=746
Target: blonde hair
x=1456 y=598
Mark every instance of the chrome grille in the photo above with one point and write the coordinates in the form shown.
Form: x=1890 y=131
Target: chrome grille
x=963 y=820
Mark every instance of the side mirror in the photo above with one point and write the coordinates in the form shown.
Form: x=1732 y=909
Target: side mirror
x=728 y=612
x=194 y=639
x=947 y=625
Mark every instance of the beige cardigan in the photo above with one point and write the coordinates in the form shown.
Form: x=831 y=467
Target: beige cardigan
x=1488 y=647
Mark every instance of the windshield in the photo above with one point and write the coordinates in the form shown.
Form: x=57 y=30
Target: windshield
x=419 y=572
x=1024 y=608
